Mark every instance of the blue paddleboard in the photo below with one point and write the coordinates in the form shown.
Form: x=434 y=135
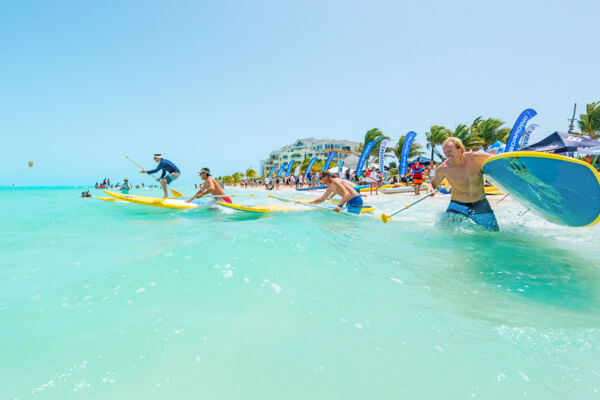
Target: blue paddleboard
x=560 y=189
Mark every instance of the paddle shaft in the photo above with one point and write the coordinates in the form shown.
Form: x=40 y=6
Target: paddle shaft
x=309 y=204
x=139 y=166
x=412 y=204
x=503 y=198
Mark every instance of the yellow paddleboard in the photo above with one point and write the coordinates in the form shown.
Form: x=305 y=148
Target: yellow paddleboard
x=256 y=209
x=368 y=189
x=153 y=201
x=365 y=209
x=492 y=191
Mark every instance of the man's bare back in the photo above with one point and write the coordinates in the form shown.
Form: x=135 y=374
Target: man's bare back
x=344 y=189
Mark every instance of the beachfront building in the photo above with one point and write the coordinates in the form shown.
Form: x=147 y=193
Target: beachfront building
x=309 y=148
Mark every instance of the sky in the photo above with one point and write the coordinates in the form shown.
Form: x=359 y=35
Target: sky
x=220 y=84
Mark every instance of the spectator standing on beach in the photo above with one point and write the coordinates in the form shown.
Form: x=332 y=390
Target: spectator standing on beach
x=417 y=172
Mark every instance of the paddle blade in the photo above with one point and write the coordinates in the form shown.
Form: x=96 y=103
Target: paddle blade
x=176 y=193
x=384 y=218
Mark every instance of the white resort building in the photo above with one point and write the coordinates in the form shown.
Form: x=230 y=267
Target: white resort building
x=308 y=148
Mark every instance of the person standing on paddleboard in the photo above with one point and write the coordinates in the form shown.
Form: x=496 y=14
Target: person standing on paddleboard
x=463 y=171
x=210 y=186
x=169 y=172
x=343 y=188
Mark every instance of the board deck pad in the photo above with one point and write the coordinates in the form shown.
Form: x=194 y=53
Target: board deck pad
x=560 y=189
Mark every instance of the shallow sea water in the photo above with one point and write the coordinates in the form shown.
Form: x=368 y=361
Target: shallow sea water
x=115 y=300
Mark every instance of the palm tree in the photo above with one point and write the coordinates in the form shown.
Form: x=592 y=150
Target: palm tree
x=470 y=138
x=236 y=177
x=250 y=173
x=436 y=135
x=377 y=136
x=415 y=149
x=589 y=123
x=489 y=131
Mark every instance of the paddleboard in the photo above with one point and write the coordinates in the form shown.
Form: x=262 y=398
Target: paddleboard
x=154 y=201
x=328 y=204
x=368 y=187
x=560 y=189
x=492 y=191
x=399 y=189
x=256 y=209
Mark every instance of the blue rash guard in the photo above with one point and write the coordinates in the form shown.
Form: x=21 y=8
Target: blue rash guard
x=167 y=168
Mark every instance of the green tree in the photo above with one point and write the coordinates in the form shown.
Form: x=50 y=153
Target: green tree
x=237 y=177
x=589 y=123
x=436 y=136
x=489 y=131
x=377 y=136
x=470 y=138
x=317 y=166
x=250 y=173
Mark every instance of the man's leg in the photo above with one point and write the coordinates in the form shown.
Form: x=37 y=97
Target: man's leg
x=163 y=183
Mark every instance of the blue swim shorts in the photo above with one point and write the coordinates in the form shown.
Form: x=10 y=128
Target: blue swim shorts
x=170 y=178
x=355 y=205
x=479 y=212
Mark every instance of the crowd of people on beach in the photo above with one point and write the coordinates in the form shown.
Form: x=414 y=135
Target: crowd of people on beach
x=461 y=169
x=417 y=175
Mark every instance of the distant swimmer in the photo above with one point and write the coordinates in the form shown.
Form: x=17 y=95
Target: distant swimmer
x=343 y=188
x=463 y=171
x=210 y=186
x=169 y=172
x=126 y=186
x=86 y=194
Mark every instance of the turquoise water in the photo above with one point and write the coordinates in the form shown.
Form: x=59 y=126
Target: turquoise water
x=114 y=300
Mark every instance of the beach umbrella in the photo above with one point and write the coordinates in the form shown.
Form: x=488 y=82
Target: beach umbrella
x=560 y=142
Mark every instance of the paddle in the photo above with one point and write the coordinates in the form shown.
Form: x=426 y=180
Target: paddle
x=176 y=193
x=503 y=198
x=307 y=204
x=139 y=166
x=385 y=218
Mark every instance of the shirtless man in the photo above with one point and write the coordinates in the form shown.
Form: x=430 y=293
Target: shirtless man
x=210 y=186
x=343 y=188
x=463 y=171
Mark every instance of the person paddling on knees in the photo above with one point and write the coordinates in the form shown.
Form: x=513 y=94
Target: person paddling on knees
x=463 y=171
x=343 y=188
x=169 y=172
x=210 y=186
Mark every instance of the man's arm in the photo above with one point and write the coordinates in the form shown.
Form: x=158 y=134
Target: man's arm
x=440 y=175
x=198 y=193
x=159 y=166
x=325 y=196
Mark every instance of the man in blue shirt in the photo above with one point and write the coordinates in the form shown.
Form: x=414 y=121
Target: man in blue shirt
x=170 y=172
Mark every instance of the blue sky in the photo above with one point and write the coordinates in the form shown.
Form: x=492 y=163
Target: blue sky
x=220 y=84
